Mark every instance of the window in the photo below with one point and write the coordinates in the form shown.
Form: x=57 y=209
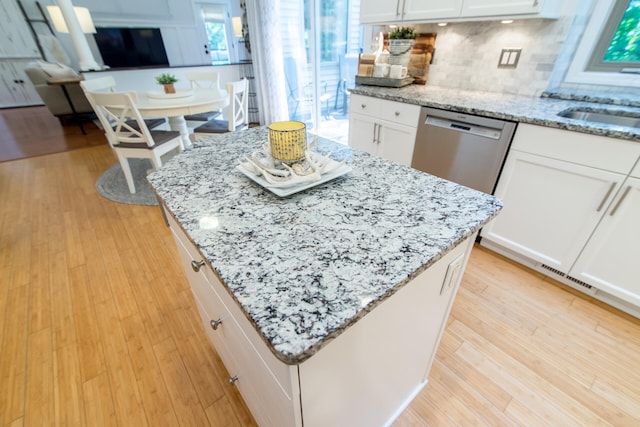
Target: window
x=618 y=48
x=608 y=51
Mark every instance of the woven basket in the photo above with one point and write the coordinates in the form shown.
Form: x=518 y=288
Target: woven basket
x=288 y=141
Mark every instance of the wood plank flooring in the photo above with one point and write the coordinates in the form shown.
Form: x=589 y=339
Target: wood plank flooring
x=98 y=326
x=34 y=131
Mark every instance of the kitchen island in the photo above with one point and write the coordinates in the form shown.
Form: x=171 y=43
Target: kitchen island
x=326 y=306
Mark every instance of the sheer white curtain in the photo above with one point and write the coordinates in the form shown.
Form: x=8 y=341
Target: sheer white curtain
x=266 y=54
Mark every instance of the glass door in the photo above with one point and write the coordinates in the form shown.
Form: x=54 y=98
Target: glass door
x=216 y=23
x=321 y=42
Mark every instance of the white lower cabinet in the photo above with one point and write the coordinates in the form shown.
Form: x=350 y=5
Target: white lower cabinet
x=383 y=128
x=609 y=260
x=16 y=89
x=569 y=209
x=364 y=377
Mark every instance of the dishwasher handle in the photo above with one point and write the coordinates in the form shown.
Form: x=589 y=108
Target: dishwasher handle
x=472 y=129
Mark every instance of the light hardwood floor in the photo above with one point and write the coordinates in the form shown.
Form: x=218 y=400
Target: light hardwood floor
x=98 y=326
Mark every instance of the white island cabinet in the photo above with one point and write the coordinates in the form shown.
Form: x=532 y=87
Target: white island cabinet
x=570 y=210
x=325 y=306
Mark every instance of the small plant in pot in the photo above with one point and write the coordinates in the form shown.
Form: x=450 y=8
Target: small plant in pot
x=167 y=80
x=400 y=44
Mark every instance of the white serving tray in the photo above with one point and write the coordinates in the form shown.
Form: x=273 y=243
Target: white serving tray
x=284 y=192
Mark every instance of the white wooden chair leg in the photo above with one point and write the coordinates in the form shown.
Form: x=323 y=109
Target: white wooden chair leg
x=124 y=164
x=156 y=160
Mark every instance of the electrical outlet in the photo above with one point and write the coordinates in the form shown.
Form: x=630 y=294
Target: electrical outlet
x=509 y=58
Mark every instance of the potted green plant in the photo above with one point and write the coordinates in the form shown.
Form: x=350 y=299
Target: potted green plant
x=167 y=80
x=400 y=44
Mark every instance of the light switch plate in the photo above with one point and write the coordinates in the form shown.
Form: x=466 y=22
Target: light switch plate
x=509 y=57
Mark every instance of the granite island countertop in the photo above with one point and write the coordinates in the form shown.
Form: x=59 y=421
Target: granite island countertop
x=516 y=108
x=305 y=267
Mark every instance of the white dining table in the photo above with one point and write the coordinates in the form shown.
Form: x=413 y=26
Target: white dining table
x=153 y=104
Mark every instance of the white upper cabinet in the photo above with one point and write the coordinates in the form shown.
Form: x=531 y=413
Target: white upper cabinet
x=542 y=8
x=372 y=11
x=414 y=11
x=434 y=9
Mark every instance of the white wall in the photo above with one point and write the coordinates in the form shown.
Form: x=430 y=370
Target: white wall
x=177 y=19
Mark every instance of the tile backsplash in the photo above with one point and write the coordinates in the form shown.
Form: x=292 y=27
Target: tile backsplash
x=467 y=54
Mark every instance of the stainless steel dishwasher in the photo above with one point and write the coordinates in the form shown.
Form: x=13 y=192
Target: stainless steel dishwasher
x=462 y=148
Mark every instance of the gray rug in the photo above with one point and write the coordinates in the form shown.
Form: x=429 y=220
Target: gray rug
x=113 y=186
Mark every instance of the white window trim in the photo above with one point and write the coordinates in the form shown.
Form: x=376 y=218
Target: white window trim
x=576 y=72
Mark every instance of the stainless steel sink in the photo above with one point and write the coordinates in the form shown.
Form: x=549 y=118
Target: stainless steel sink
x=618 y=118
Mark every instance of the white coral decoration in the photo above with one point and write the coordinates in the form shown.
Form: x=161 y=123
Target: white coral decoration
x=310 y=169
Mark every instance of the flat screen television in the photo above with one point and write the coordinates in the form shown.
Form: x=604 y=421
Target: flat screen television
x=131 y=47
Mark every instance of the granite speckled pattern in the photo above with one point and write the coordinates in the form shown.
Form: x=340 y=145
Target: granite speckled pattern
x=305 y=267
x=522 y=109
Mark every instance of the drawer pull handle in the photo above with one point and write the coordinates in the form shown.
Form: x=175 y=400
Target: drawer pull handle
x=215 y=323
x=233 y=379
x=606 y=197
x=624 y=195
x=195 y=265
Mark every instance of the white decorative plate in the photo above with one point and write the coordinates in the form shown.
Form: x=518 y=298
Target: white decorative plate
x=283 y=192
x=180 y=93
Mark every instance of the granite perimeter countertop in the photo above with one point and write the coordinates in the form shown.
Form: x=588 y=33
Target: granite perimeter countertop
x=305 y=267
x=522 y=109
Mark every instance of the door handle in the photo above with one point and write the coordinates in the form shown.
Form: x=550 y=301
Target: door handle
x=624 y=195
x=606 y=197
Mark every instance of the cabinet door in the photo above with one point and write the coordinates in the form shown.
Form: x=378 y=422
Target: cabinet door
x=500 y=7
x=609 y=260
x=551 y=207
x=396 y=142
x=376 y=11
x=433 y=9
x=363 y=133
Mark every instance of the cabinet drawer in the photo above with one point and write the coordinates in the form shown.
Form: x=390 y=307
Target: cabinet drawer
x=241 y=349
x=397 y=112
x=600 y=152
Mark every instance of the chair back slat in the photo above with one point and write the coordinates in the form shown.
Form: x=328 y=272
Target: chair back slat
x=204 y=79
x=121 y=119
x=101 y=84
x=238 y=103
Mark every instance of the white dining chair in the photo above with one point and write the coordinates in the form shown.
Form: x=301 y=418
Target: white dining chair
x=129 y=136
x=237 y=118
x=200 y=80
x=108 y=84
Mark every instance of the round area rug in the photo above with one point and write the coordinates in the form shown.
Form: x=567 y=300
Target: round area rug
x=113 y=186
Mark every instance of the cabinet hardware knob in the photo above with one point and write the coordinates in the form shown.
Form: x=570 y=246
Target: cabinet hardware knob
x=195 y=265
x=215 y=323
x=363 y=105
x=233 y=379
x=397 y=113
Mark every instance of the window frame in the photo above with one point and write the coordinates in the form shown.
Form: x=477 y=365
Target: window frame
x=595 y=33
